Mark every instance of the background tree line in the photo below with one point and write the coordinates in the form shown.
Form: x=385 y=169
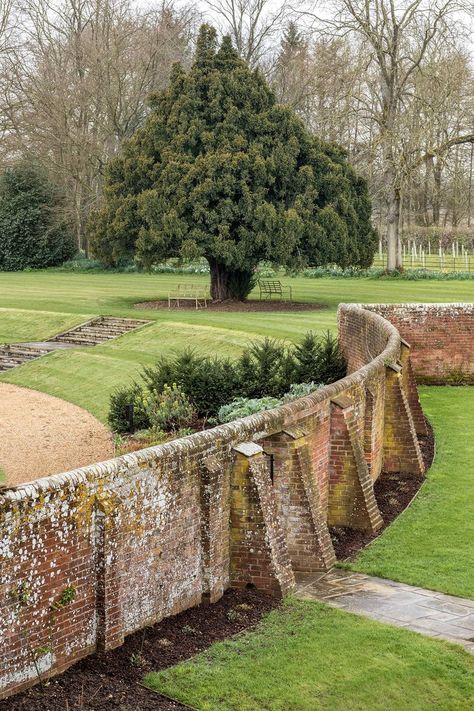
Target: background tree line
x=391 y=82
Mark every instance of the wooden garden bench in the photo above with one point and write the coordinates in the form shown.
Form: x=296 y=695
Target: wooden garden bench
x=189 y=292
x=268 y=288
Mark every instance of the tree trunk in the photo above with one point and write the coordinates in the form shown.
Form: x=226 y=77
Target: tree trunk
x=437 y=193
x=393 y=222
x=228 y=283
x=469 y=196
x=220 y=278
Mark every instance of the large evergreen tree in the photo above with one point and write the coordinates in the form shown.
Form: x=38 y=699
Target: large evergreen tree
x=220 y=170
x=33 y=232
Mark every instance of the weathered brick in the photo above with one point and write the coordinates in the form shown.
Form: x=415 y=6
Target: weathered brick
x=152 y=533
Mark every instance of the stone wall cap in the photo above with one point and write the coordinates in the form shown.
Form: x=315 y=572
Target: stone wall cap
x=342 y=401
x=248 y=449
x=295 y=432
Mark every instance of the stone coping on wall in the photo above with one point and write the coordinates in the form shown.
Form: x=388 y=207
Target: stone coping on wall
x=252 y=427
x=427 y=308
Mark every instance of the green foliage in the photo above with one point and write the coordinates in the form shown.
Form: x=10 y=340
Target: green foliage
x=331 y=364
x=67 y=596
x=120 y=398
x=266 y=368
x=170 y=409
x=298 y=390
x=22 y=594
x=220 y=170
x=307 y=355
x=319 y=359
x=407 y=274
x=242 y=407
x=32 y=233
x=207 y=382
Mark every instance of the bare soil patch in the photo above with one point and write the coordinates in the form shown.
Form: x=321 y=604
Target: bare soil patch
x=244 y=306
x=111 y=681
x=42 y=435
x=394 y=492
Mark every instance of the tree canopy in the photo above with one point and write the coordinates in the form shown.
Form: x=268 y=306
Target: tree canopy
x=33 y=233
x=220 y=170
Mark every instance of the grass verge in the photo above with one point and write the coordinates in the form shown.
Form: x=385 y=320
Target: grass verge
x=307 y=656
x=431 y=544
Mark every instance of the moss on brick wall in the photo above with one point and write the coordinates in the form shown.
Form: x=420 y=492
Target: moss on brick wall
x=147 y=535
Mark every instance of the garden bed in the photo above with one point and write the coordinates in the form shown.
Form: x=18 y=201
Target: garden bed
x=111 y=681
x=394 y=492
x=245 y=306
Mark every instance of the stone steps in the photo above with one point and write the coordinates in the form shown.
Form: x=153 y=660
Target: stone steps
x=99 y=330
x=93 y=333
x=12 y=355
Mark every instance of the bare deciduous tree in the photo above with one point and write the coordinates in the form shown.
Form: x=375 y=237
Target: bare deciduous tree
x=398 y=35
x=252 y=24
x=79 y=83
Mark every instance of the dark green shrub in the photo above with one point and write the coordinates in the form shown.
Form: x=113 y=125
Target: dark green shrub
x=207 y=382
x=307 y=356
x=266 y=369
x=216 y=384
x=331 y=364
x=318 y=359
x=32 y=232
x=117 y=417
x=166 y=371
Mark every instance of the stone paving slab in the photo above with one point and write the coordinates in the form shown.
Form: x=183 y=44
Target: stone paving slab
x=426 y=611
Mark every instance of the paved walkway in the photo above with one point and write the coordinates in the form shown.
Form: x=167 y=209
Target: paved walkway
x=431 y=613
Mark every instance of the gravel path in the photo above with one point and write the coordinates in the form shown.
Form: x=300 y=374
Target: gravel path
x=41 y=435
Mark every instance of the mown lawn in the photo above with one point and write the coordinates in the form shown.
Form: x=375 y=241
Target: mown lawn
x=432 y=543
x=35 y=305
x=308 y=657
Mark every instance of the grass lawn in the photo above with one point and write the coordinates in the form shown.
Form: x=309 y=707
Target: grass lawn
x=35 y=305
x=429 y=545
x=432 y=543
x=307 y=656
x=33 y=325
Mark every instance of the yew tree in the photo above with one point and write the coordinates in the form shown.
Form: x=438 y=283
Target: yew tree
x=220 y=170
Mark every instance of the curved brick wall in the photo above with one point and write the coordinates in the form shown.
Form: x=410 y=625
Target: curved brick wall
x=94 y=554
x=441 y=336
